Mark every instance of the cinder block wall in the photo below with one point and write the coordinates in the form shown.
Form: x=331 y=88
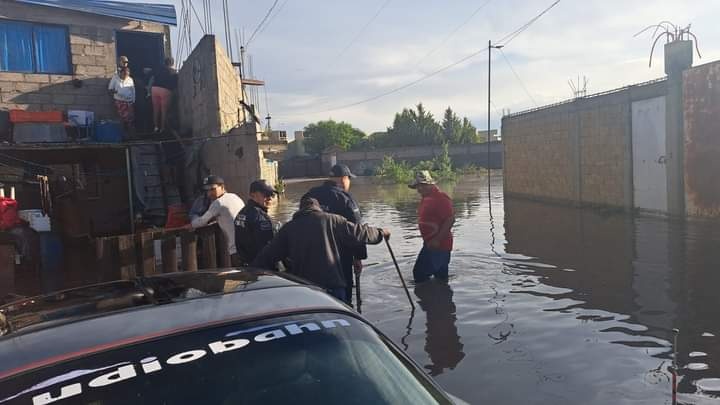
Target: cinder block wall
x=578 y=152
x=94 y=59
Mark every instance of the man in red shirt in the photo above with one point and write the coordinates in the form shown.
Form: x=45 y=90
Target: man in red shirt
x=435 y=220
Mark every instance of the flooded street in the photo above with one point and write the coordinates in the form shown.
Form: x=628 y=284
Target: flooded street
x=548 y=304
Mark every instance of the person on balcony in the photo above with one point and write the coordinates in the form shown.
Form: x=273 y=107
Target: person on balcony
x=164 y=83
x=122 y=88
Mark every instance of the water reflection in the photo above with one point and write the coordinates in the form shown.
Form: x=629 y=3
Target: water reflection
x=442 y=342
x=549 y=304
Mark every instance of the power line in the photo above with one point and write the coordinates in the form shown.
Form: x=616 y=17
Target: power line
x=267 y=15
x=272 y=18
x=504 y=41
x=510 y=37
x=362 y=30
x=518 y=78
x=452 y=33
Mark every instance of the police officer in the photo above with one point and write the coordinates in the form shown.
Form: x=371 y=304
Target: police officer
x=253 y=227
x=334 y=198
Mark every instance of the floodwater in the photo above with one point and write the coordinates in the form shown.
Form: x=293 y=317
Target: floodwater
x=548 y=304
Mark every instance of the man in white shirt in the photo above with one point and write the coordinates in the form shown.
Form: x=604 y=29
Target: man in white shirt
x=223 y=209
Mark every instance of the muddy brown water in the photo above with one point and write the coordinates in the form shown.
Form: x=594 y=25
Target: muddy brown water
x=548 y=304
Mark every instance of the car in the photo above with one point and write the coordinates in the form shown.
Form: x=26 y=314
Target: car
x=209 y=337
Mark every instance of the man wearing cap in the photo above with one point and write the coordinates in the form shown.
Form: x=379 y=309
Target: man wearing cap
x=311 y=244
x=334 y=198
x=223 y=209
x=253 y=227
x=435 y=220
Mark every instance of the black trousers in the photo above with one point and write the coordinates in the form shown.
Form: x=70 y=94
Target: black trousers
x=347 y=267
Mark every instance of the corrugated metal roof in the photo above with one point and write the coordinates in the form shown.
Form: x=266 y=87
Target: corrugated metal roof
x=159 y=13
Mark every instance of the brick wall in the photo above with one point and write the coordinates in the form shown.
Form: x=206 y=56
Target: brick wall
x=93 y=58
x=578 y=152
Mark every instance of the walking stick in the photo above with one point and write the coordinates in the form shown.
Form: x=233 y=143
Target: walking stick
x=412 y=304
x=357 y=293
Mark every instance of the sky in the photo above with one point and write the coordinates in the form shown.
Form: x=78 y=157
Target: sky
x=317 y=55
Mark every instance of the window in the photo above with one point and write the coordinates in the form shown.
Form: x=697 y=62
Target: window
x=34 y=48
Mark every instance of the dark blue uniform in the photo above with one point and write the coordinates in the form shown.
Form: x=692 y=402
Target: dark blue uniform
x=335 y=200
x=253 y=230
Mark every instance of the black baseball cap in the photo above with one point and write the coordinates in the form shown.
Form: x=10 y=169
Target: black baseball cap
x=341 y=170
x=212 y=180
x=262 y=187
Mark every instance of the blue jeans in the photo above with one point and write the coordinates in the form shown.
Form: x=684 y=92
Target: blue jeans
x=338 y=293
x=431 y=262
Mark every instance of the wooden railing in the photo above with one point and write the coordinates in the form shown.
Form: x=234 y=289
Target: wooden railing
x=128 y=256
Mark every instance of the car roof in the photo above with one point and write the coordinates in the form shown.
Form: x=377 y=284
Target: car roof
x=56 y=327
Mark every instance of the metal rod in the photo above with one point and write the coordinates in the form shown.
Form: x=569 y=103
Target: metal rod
x=407 y=292
x=357 y=293
x=676 y=332
x=130 y=189
x=487 y=140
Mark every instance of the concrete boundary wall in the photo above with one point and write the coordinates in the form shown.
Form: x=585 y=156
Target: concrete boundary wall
x=364 y=162
x=578 y=152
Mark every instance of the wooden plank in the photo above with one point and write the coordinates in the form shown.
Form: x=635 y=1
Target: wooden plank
x=209 y=249
x=7 y=270
x=223 y=258
x=128 y=257
x=169 y=254
x=188 y=242
x=146 y=253
x=107 y=258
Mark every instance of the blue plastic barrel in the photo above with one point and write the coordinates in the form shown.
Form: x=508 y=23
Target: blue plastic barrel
x=108 y=132
x=51 y=261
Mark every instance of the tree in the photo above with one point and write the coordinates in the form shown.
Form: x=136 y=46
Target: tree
x=468 y=133
x=452 y=127
x=414 y=127
x=323 y=134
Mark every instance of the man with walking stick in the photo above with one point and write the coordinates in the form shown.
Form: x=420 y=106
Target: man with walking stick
x=334 y=198
x=312 y=242
x=435 y=220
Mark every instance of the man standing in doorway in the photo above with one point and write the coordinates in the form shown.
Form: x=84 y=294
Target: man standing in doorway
x=334 y=198
x=435 y=220
x=253 y=227
x=223 y=209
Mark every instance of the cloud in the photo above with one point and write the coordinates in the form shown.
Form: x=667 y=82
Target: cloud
x=297 y=55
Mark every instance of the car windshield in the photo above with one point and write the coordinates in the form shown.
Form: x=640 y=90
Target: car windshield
x=311 y=358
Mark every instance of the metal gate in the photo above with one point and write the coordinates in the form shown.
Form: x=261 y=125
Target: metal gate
x=648 y=141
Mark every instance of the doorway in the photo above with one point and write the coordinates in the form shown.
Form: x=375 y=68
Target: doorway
x=143 y=50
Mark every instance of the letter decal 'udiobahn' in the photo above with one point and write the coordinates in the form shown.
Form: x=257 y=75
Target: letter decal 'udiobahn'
x=148 y=365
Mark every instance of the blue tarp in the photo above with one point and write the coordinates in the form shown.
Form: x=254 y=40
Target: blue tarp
x=159 y=13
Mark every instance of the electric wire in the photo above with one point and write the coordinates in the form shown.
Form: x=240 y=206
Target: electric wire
x=503 y=42
x=522 y=84
x=262 y=22
x=452 y=33
x=359 y=33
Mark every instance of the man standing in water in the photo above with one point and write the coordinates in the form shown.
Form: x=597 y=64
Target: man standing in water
x=334 y=198
x=312 y=243
x=435 y=220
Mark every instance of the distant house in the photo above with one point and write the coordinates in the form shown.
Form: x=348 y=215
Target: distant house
x=60 y=54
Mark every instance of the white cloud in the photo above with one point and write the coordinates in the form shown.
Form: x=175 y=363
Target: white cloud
x=297 y=53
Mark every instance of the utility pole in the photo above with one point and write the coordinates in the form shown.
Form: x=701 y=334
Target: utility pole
x=490 y=48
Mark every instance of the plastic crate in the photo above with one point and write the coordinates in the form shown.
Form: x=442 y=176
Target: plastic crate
x=20 y=116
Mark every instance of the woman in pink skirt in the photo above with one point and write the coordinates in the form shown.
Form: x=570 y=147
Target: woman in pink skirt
x=164 y=84
x=122 y=89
